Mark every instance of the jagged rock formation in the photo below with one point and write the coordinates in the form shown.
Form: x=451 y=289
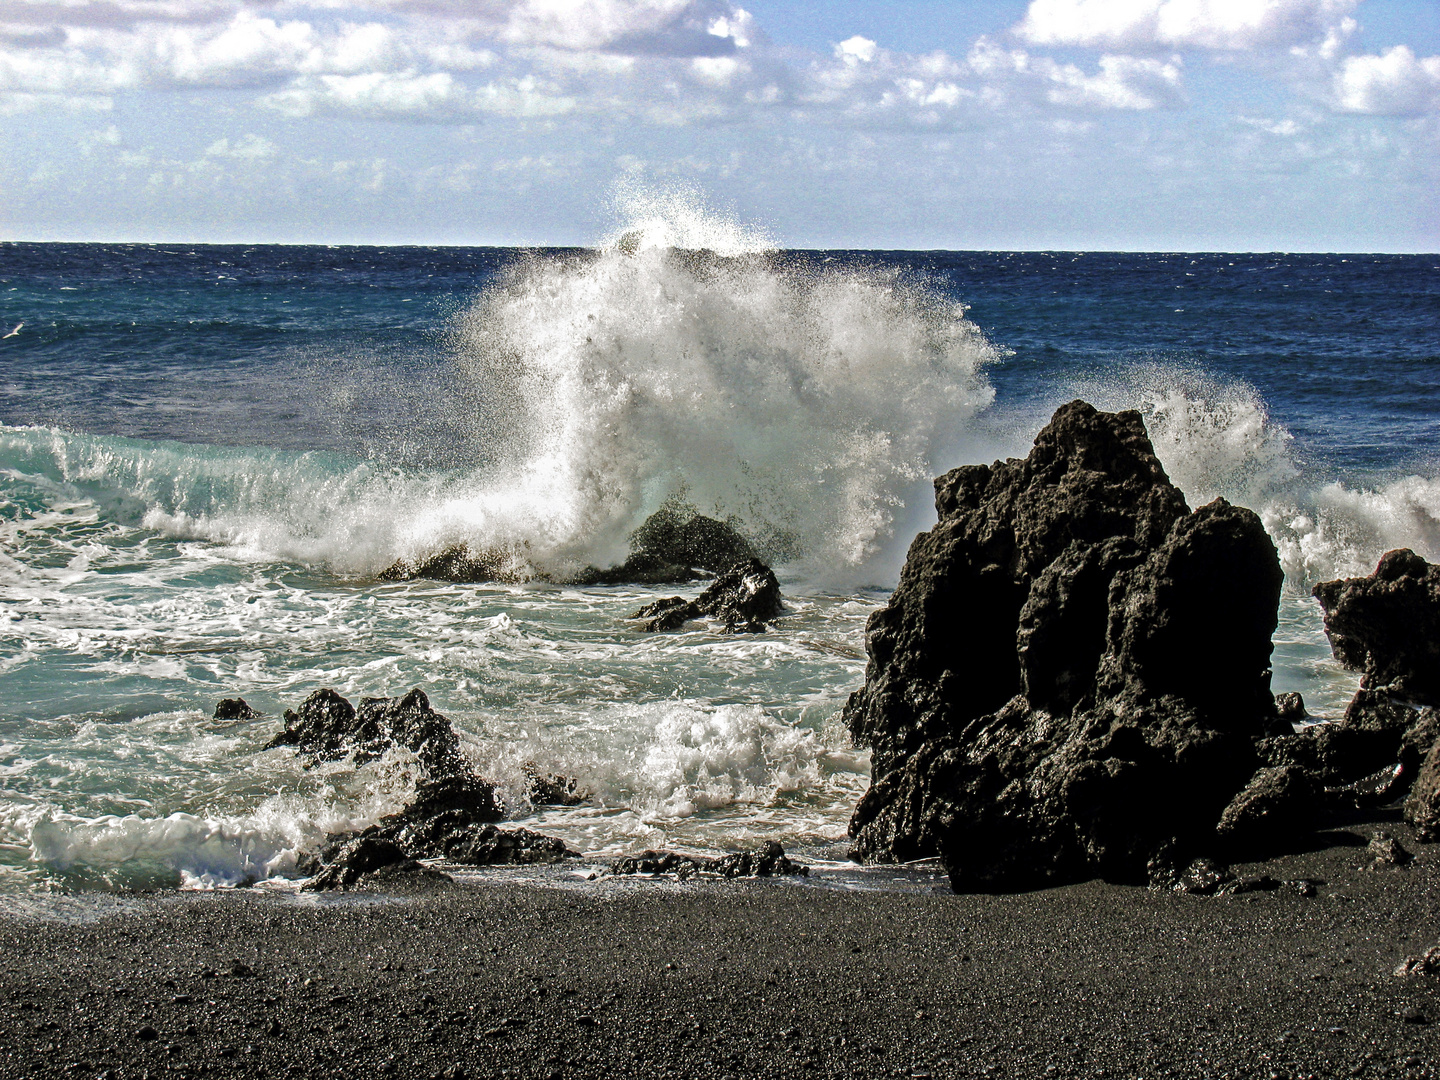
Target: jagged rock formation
x=327 y=727
x=1387 y=627
x=744 y=599
x=1071 y=676
x=452 y=816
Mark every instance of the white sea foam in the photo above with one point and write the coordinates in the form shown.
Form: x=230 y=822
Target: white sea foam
x=1216 y=438
x=684 y=357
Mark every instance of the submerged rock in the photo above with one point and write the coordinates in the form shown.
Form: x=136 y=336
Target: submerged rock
x=675 y=544
x=744 y=599
x=550 y=789
x=235 y=709
x=463 y=564
x=768 y=860
x=1073 y=671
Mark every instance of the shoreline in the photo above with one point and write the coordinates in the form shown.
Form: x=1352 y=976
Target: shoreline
x=755 y=978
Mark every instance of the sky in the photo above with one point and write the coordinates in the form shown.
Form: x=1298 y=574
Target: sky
x=1229 y=125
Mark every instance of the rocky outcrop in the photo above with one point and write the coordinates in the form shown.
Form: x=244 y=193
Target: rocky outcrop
x=235 y=709
x=1422 y=809
x=452 y=816
x=1387 y=627
x=768 y=860
x=1072 y=674
x=675 y=544
x=744 y=599
x=327 y=727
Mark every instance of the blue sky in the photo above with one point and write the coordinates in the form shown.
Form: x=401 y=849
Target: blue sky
x=1089 y=124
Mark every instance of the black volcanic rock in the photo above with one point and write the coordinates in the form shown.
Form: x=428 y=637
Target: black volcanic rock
x=1073 y=671
x=768 y=860
x=1387 y=626
x=235 y=709
x=451 y=817
x=744 y=598
x=674 y=545
x=327 y=727
x=1422 y=809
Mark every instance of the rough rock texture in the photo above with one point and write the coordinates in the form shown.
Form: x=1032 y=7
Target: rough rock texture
x=327 y=727
x=453 y=814
x=366 y=861
x=235 y=709
x=768 y=860
x=1072 y=673
x=672 y=544
x=464 y=565
x=1291 y=707
x=744 y=599
x=551 y=789
x=1274 y=804
x=1387 y=626
x=1422 y=809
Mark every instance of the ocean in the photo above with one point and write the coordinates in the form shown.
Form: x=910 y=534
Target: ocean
x=209 y=453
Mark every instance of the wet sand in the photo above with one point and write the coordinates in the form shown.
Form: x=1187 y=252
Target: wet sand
x=624 y=978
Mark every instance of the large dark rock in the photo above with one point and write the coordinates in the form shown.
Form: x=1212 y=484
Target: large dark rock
x=1073 y=671
x=744 y=599
x=327 y=727
x=1387 y=626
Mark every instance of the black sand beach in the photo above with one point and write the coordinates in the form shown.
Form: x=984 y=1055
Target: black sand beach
x=768 y=978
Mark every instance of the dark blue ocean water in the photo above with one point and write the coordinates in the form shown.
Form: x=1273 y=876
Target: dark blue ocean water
x=208 y=453
x=242 y=345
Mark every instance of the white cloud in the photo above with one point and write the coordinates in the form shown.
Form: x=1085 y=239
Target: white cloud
x=855 y=50
x=1173 y=24
x=1122 y=82
x=1395 y=83
x=250 y=148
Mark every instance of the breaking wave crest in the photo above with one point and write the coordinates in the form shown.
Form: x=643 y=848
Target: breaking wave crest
x=799 y=401
x=1218 y=439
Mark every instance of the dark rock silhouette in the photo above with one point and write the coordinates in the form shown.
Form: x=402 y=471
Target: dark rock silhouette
x=235 y=709
x=1071 y=676
x=671 y=546
x=452 y=815
x=327 y=727
x=744 y=599
x=1387 y=626
x=550 y=789
x=674 y=545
